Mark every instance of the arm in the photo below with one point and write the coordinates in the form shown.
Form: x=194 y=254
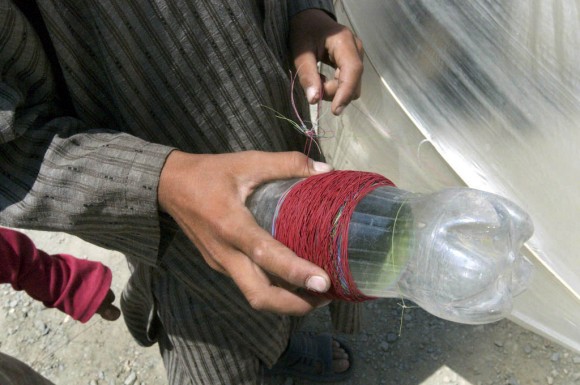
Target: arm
x=76 y=287
x=56 y=173
x=103 y=186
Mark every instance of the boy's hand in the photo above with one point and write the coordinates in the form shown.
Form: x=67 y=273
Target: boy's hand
x=314 y=37
x=206 y=195
x=107 y=310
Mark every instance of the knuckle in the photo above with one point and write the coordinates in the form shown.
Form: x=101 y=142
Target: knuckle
x=297 y=161
x=347 y=37
x=260 y=251
x=345 y=32
x=257 y=302
x=297 y=157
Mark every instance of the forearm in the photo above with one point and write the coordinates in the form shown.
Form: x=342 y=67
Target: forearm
x=74 y=286
x=98 y=185
x=57 y=173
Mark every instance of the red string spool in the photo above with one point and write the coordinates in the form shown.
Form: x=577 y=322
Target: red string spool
x=313 y=221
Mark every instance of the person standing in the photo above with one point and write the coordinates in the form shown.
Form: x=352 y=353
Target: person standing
x=140 y=126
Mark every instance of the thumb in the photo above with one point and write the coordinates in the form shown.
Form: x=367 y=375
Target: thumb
x=287 y=165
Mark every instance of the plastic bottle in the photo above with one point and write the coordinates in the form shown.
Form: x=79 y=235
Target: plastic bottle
x=456 y=253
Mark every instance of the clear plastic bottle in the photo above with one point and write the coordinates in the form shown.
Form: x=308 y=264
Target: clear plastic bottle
x=456 y=253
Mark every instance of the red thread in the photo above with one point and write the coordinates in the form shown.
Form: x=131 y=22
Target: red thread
x=313 y=221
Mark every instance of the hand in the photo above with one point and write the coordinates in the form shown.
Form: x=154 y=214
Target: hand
x=314 y=37
x=107 y=310
x=206 y=196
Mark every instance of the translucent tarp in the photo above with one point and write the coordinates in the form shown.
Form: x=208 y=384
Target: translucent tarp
x=484 y=94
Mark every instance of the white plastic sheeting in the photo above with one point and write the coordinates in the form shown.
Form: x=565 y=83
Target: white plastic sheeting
x=485 y=94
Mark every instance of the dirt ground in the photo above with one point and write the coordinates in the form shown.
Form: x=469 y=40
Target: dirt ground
x=399 y=346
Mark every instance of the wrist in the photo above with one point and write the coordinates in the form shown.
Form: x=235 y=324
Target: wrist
x=310 y=17
x=295 y=7
x=167 y=180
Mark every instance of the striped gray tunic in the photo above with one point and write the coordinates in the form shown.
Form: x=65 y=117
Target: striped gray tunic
x=93 y=97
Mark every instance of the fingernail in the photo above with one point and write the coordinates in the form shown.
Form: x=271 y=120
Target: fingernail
x=317 y=283
x=321 y=166
x=312 y=95
x=339 y=110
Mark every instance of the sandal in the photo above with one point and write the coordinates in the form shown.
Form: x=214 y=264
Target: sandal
x=309 y=357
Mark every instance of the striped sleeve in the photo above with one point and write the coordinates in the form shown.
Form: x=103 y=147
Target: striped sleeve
x=296 y=6
x=58 y=174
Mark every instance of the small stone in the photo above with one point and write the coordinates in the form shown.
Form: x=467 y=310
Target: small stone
x=384 y=346
x=498 y=343
x=392 y=337
x=131 y=378
x=41 y=327
x=576 y=359
x=555 y=357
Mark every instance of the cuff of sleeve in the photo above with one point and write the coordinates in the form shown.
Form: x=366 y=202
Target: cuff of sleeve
x=295 y=7
x=79 y=285
x=101 y=284
x=142 y=203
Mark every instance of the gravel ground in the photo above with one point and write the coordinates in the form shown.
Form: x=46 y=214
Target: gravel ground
x=399 y=346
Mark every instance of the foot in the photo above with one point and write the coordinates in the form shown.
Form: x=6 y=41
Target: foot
x=315 y=357
x=340 y=362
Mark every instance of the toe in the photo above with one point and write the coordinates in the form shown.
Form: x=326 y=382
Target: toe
x=340 y=361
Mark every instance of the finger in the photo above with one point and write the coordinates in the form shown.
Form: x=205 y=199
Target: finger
x=347 y=56
x=110 y=297
x=107 y=310
x=208 y=248
x=307 y=69
x=110 y=313
x=330 y=88
x=276 y=259
x=264 y=296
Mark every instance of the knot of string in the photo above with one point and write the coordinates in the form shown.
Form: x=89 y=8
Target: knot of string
x=312 y=219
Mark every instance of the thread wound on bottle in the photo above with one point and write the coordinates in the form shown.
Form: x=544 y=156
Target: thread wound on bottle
x=313 y=217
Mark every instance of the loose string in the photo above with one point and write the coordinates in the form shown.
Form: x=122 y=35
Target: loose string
x=313 y=218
